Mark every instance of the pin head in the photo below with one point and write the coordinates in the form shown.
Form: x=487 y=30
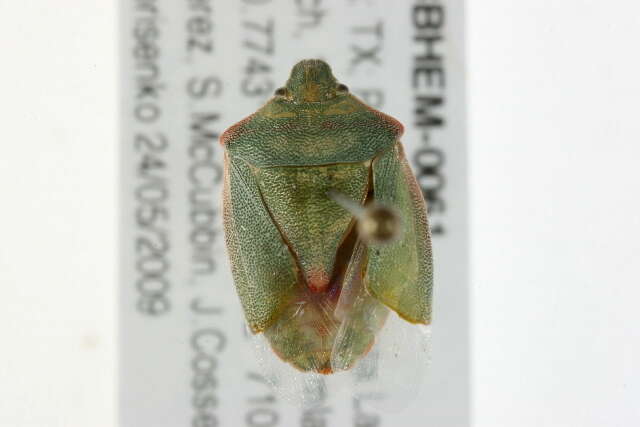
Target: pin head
x=379 y=224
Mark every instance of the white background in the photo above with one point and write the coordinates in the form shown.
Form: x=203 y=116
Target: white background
x=555 y=221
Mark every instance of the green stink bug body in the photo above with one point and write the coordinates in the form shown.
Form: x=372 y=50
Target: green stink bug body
x=307 y=279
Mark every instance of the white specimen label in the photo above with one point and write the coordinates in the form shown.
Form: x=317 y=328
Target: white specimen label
x=190 y=69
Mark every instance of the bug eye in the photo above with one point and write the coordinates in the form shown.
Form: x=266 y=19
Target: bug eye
x=342 y=88
x=281 y=91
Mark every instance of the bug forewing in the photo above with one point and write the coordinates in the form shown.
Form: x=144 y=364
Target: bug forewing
x=405 y=287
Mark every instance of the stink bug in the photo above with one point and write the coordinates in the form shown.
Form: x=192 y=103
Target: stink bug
x=325 y=225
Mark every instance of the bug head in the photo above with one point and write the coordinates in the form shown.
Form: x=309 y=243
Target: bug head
x=311 y=80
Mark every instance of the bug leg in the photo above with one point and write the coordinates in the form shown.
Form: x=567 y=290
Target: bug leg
x=360 y=316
